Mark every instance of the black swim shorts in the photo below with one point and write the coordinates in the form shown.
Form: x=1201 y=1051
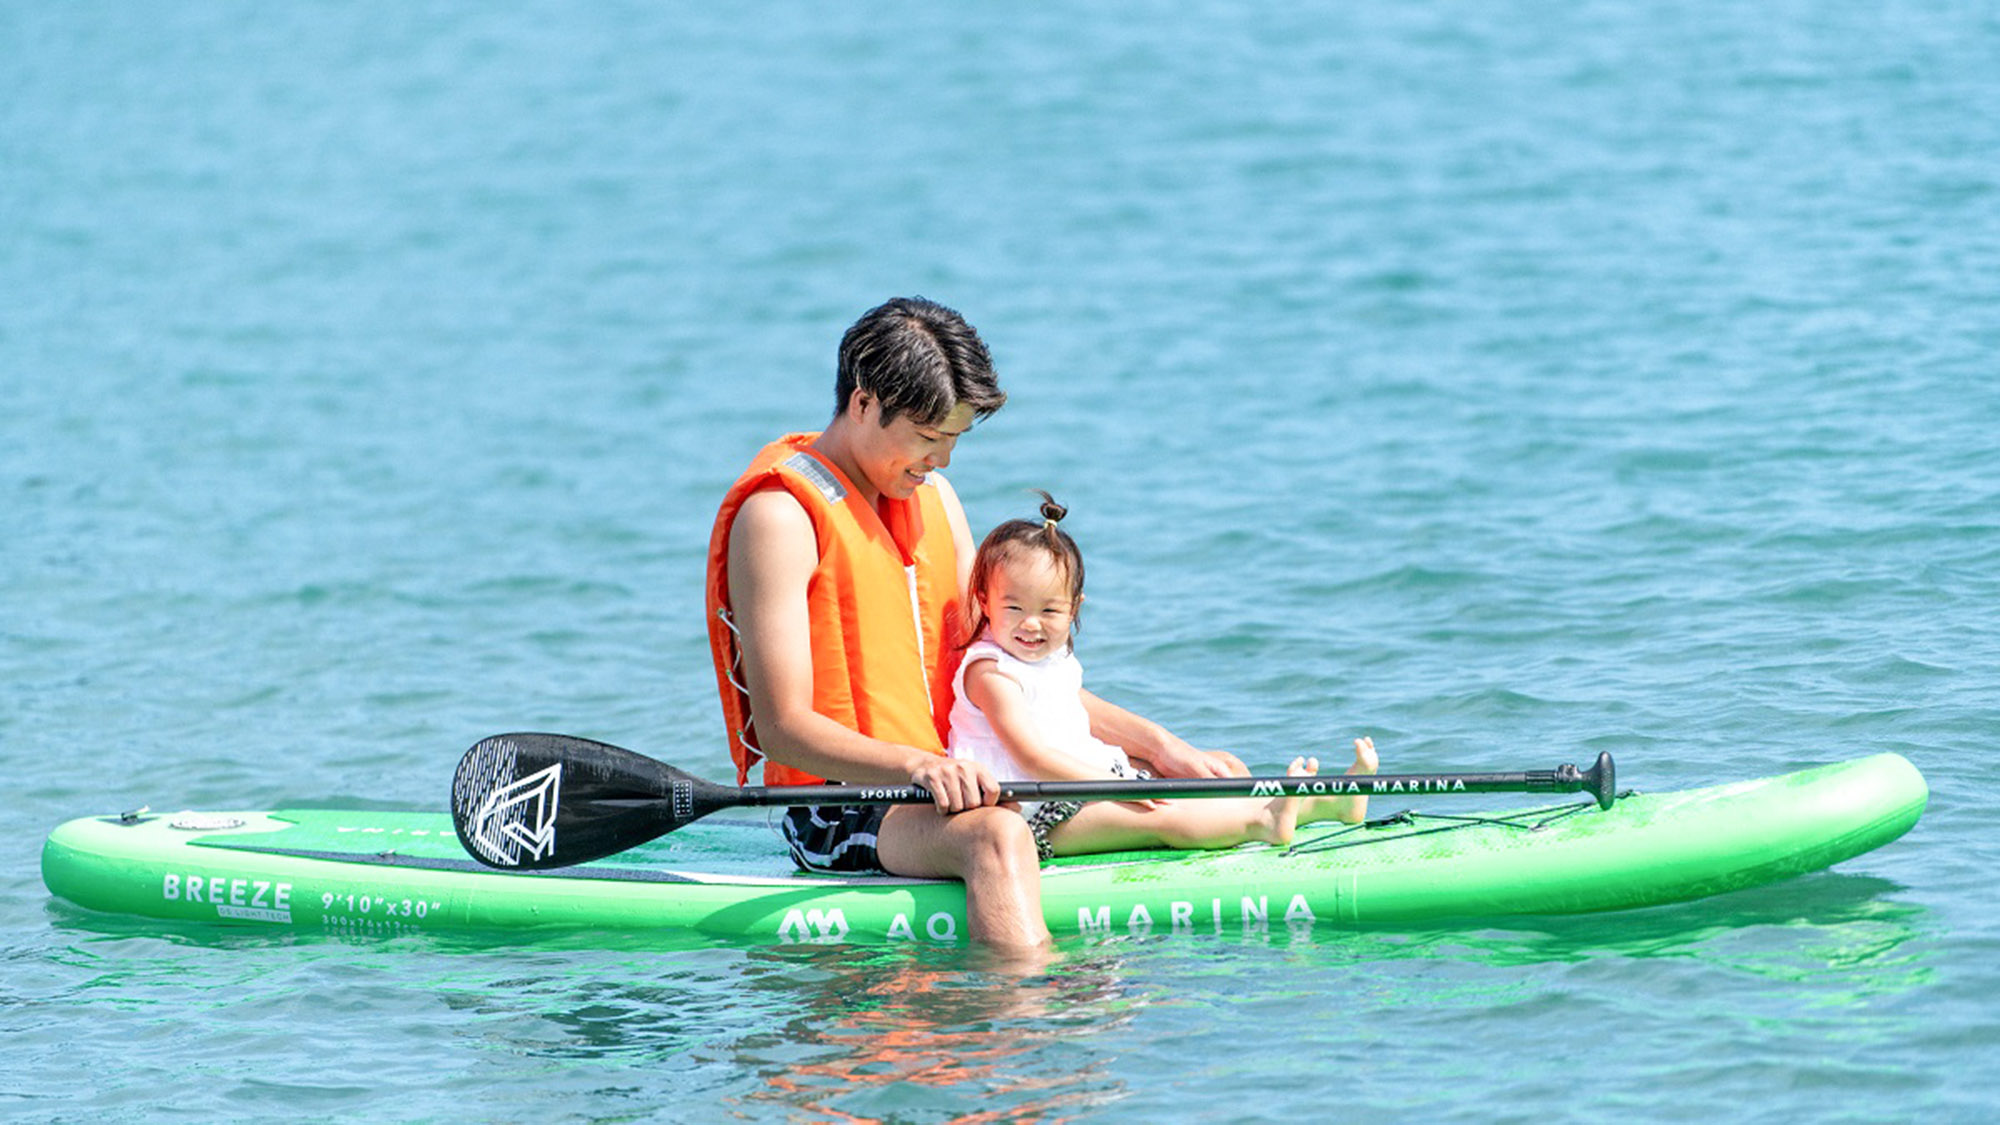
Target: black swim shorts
x=835 y=838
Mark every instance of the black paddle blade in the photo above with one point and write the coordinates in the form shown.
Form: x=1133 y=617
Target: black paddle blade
x=528 y=802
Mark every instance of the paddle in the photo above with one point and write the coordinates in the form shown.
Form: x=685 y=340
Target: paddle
x=536 y=801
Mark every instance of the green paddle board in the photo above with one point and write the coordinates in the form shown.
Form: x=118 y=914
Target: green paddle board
x=345 y=871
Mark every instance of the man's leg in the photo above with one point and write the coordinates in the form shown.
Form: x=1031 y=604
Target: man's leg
x=990 y=849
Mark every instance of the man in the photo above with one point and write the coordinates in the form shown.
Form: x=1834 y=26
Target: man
x=836 y=574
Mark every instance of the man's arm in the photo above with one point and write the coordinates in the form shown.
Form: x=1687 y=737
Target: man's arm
x=772 y=554
x=1162 y=752
x=961 y=532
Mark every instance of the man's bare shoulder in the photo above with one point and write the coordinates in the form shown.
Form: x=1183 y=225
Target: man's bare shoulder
x=944 y=488
x=772 y=547
x=770 y=513
x=953 y=510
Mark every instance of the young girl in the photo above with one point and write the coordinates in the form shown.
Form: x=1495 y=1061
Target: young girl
x=1020 y=711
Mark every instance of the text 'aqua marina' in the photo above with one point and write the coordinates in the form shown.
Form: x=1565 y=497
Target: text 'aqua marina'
x=1340 y=786
x=1248 y=913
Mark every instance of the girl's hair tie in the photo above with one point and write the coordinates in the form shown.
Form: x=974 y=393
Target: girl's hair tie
x=1052 y=512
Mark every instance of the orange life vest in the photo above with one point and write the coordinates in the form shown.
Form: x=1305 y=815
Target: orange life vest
x=883 y=604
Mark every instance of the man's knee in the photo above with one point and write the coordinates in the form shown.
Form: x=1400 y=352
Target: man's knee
x=916 y=840
x=998 y=837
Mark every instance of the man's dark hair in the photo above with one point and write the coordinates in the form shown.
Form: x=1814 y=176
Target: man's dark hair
x=918 y=358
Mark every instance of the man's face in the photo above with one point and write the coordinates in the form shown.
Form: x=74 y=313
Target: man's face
x=899 y=456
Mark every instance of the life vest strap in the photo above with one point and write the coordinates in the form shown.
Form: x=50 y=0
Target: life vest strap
x=734 y=672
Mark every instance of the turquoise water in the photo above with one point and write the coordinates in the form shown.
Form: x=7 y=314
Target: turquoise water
x=1507 y=381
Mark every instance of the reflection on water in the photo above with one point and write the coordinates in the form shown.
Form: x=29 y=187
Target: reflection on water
x=880 y=1034
x=1822 y=929
x=861 y=1033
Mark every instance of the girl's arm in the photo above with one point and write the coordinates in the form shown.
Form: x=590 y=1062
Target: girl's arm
x=999 y=697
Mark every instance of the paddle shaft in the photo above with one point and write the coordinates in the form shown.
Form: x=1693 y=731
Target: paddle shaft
x=1563 y=779
x=534 y=801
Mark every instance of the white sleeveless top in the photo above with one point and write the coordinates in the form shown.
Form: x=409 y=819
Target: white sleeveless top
x=1052 y=685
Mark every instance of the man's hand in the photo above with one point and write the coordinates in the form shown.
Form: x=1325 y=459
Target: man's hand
x=956 y=784
x=1175 y=758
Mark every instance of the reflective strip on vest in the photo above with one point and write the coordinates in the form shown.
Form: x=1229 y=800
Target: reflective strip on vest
x=808 y=466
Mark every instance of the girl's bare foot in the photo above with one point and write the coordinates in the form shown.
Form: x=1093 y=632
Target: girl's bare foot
x=1354 y=810
x=1281 y=816
x=1349 y=809
x=1364 y=757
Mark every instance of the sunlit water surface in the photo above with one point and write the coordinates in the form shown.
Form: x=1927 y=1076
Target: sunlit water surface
x=1510 y=382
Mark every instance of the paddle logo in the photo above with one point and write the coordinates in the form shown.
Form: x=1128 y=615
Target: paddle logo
x=507 y=822
x=520 y=818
